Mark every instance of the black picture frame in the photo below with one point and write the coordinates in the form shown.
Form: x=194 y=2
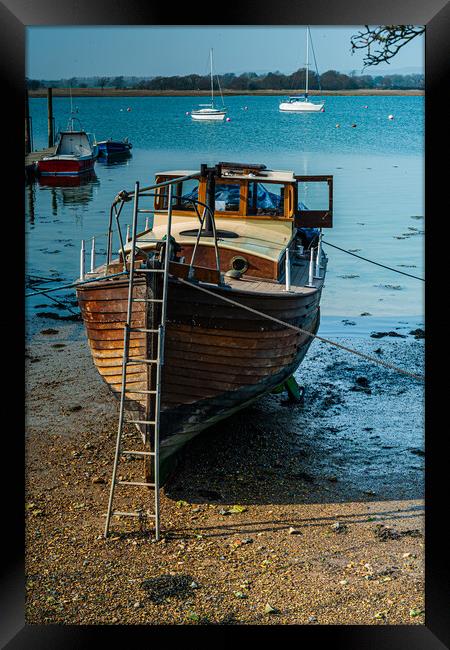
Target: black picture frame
x=15 y=16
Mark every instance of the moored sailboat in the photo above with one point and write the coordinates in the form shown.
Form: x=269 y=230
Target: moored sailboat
x=210 y=111
x=301 y=104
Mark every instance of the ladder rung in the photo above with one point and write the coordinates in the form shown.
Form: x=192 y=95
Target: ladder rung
x=139 y=453
x=147 y=299
x=144 y=210
x=140 y=421
x=119 y=513
x=143 y=392
x=141 y=361
x=135 y=483
x=142 y=329
x=149 y=270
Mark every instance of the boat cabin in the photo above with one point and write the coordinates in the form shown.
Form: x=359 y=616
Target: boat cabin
x=258 y=213
x=75 y=143
x=254 y=193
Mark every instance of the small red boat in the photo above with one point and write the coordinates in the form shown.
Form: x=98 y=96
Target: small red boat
x=74 y=155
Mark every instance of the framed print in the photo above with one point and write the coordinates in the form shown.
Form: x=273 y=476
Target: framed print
x=224 y=253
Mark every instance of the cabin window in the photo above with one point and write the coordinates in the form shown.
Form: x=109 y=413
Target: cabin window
x=228 y=197
x=312 y=196
x=314 y=202
x=184 y=194
x=265 y=199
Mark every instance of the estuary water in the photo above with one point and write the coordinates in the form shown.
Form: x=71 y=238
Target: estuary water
x=378 y=169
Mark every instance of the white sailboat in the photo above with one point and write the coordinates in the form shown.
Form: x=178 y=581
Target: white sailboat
x=209 y=111
x=301 y=104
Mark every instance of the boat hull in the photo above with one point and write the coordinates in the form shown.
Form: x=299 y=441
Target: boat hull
x=65 y=167
x=218 y=358
x=113 y=148
x=210 y=117
x=300 y=107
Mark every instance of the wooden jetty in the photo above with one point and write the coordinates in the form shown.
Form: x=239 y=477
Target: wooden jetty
x=33 y=157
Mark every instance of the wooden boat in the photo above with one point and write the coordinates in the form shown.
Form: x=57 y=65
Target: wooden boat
x=219 y=357
x=75 y=154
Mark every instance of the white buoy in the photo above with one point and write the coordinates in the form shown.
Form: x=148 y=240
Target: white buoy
x=338 y=126
x=228 y=119
x=128 y=109
x=390 y=117
x=187 y=113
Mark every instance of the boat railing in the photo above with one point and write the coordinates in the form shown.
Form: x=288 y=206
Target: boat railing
x=151 y=191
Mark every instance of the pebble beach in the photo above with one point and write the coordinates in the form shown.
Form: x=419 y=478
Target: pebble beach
x=283 y=514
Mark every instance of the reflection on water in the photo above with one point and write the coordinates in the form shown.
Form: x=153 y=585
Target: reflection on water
x=115 y=159
x=70 y=189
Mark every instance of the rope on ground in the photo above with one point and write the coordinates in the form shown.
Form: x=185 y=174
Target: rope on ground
x=75 y=284
x=302 y=331
x=372 y=262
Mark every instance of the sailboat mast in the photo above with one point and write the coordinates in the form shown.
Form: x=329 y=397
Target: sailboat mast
x=212 y=83
x=307 y=60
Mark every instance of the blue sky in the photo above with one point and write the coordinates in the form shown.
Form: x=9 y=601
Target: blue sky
x=64 y=52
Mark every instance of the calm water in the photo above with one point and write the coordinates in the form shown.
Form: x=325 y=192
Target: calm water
x=378 y=170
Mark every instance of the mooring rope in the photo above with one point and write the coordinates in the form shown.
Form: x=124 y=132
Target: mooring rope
x=302 y=331
x=371 y=261
x=75 y=284
x=254 y=311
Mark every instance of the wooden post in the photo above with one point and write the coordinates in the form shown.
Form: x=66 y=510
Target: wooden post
x=27 y=124
x=50 y=117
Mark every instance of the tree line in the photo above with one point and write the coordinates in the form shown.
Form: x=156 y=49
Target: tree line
x=329 y=80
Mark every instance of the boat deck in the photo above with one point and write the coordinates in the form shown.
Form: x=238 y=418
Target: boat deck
x=259 y=286
x=299 y=279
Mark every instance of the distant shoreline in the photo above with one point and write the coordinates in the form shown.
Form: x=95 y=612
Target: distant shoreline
x=112 y=92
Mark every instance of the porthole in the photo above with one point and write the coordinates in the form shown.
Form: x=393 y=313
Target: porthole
x=239 y=263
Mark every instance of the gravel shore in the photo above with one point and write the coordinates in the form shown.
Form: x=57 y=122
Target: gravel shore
x=281 y=514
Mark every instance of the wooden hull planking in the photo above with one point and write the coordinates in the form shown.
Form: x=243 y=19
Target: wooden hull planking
x=218 y=357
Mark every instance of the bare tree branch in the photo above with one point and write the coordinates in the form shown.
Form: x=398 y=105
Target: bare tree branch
x=384 y=41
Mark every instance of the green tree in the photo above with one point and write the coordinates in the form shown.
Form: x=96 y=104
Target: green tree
x=102 y=81
x=117 y=83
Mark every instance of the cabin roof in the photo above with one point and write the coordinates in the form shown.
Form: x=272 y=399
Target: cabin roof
x=266 y=239
x=264 y=175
